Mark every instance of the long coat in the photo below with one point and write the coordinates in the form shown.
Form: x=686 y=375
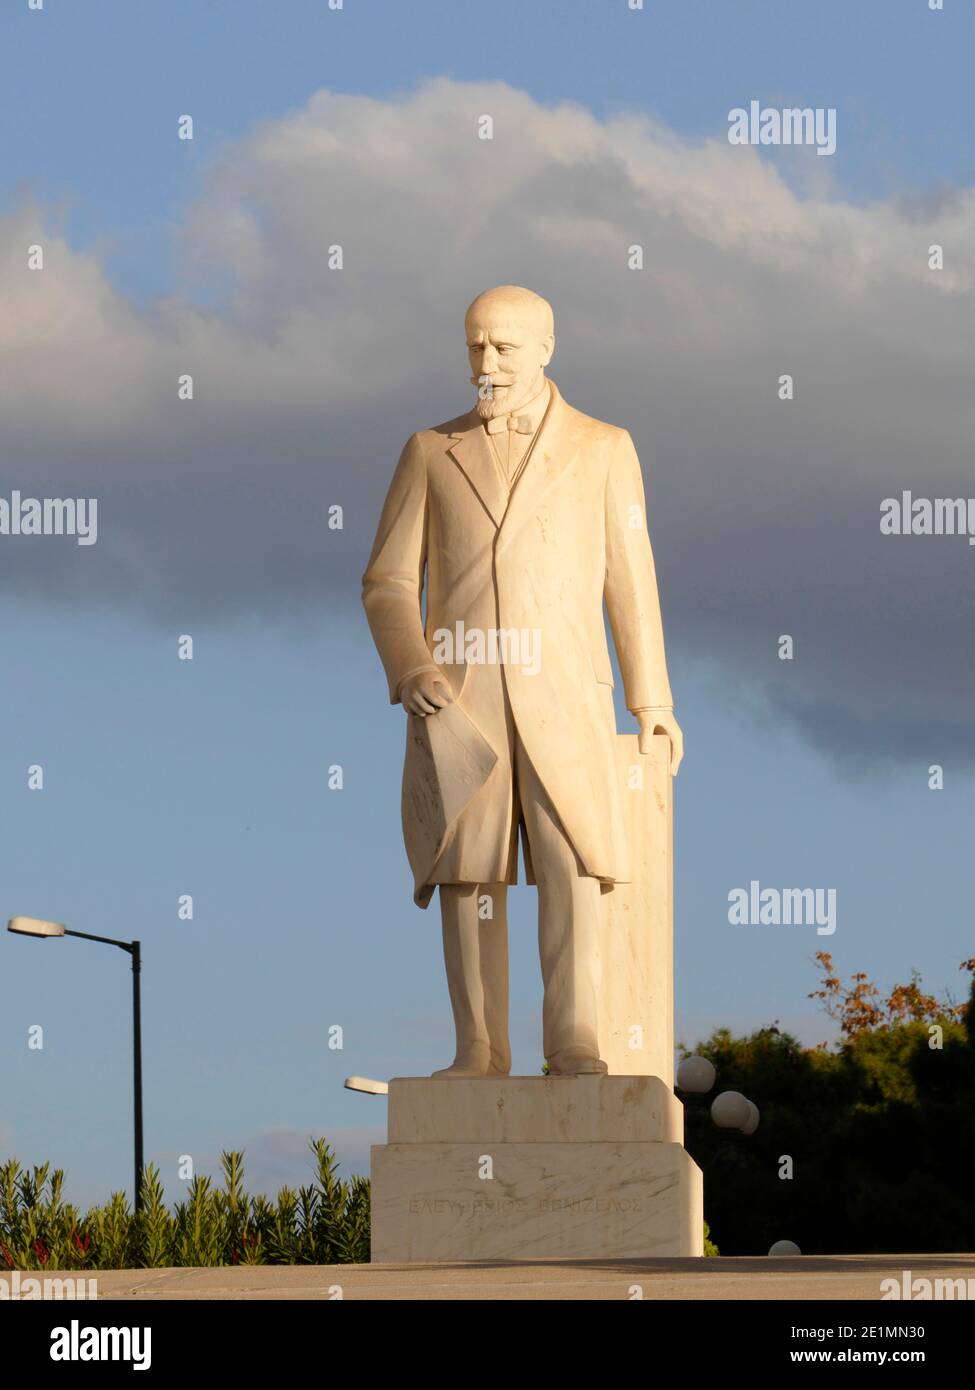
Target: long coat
x=542 y=559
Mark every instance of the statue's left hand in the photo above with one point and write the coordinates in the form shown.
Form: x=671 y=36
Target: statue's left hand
x=661 y=722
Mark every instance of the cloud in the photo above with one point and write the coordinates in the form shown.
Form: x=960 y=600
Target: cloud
x=765 y=515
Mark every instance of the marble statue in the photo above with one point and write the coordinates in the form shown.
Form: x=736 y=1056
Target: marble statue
x=504 y=533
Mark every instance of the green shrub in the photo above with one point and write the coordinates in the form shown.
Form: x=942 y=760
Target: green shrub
x=326 y=1222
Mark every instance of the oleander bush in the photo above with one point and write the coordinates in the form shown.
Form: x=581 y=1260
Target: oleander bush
x=326 y=1222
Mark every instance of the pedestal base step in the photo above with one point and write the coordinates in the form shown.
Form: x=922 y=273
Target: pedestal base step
x=542 y=1200
x=533 y=1109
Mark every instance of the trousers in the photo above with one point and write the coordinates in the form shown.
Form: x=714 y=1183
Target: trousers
x=475 y=938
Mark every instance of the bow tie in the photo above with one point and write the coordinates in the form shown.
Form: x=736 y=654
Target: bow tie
x=499 y=423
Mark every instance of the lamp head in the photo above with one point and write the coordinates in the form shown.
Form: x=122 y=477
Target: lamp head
x=35 y=926
x=367 y=1084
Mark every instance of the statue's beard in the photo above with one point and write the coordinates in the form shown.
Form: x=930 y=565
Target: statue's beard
x=500 y=402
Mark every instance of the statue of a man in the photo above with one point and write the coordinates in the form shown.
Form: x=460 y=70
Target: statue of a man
x=516 y=522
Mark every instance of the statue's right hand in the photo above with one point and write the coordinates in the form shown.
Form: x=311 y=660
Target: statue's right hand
x=425 y=693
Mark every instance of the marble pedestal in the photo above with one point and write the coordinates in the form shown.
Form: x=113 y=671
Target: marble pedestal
x=532 y=1167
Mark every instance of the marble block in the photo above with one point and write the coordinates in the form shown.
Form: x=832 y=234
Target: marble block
x=533 y=1109
x=636 y=998
x=525 y=1201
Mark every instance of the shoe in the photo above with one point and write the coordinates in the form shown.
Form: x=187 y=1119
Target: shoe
x=475 y=1060
x=576 y=1061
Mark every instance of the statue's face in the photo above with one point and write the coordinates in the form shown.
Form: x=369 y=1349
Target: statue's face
x=504 y=345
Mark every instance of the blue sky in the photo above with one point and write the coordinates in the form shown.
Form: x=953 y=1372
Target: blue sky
x=209 y=777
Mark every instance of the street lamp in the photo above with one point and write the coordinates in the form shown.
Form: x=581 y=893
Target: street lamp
x=367 y=1085
x=35 y=926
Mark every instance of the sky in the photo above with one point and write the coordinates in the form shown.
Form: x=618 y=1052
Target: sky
x=314 y=127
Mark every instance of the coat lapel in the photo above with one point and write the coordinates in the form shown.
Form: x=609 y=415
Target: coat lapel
x=555 y=445
x=471 y=450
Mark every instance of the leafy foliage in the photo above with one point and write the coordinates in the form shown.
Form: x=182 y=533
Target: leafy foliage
x=858 y=1007
x=880 y=1130
x=326 y=1222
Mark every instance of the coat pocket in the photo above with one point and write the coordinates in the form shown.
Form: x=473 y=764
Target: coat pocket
x=601 y=666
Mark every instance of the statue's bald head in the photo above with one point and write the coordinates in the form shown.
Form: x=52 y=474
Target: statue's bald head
x=510 y=341
x=523 y=305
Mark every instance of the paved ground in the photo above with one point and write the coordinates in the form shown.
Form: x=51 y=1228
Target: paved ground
x=810 y=1277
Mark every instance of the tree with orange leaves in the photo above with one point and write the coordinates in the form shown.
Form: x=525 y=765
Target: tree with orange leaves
x=859 y=1007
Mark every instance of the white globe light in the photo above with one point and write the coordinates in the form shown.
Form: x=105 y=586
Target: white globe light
x=751 y=1124
x=785 y=1247
x=730 y=1110
x=695 y=1074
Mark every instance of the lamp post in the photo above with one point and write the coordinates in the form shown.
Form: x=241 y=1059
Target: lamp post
x=34 y=926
